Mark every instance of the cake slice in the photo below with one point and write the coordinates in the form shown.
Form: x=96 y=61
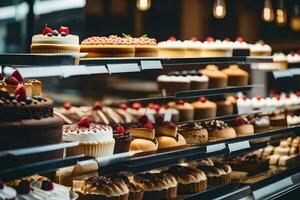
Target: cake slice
x=168 y=129
x=142 y=132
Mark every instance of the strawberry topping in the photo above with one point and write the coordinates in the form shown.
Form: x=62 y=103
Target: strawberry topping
x=67 y=105
x=136 y=106
x=194 y=39
x=16 y=74
x=227 y=39
x=154 y=106
x=144 y=119
x=123 y=106
x=210 y=39
x=180 y=102
x=203 y=99
x=298 y=93
x=258 y=97
x=97 y=105
x=20 y=93
x=47 y=185
x=12 y=81
x=239 y=39
x=84 y=122
x=64 y=29
x=47 y=30
x=148 y=125
x=172 y=38
x=120 y=129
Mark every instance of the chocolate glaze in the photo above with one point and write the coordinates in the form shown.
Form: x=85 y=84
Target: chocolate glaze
x=102 y=181
x=182 y=170
x=191 y=126
x=214 y=125
x=131 y=186
x=152 y=177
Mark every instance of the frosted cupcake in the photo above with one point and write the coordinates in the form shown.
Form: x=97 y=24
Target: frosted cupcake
x=193 y=48
x=260 y=49
x=244 y=105
x=172 y=48
x=7 y=193
x=280 y=59
x=96 y=140
x=218 y=48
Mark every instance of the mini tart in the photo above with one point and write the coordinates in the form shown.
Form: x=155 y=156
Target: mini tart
x=186 y=110
x=166 y=143
x=190 y=180
x=204 y=109
x=193 y=133
x=146 y=51
x=236 y=76
x=218 y=130
x=157 y=185
x=102 y=187
x=217 y=78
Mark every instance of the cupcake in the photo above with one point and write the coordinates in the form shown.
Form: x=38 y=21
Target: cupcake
x=218 y=130
x=240 y=47
x=102 y=187
x=122 y=139
x=258 y=103
x=6 y=192
x=193 y=133
x=173 y=82
x=96 y=140
x=190 y=180
x=186 y=110
x=260 y=49
x=157 y=186
x=198 y=80
x=204 y=109
x=224 y=107
x=243 y=127
x=280 y=59
x=236 y=76
x=217 y=78
x=192 y=48
x=172 y=48
x=166 y=110
x=135 y=191
x=244 y=105
x=218 y=48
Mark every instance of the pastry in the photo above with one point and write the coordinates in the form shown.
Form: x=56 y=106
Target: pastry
x=186 y=110
x=70 y=114
x=204 y=109
x=281 y=60
x=240 y=47
x=102 y=187
x=157 y=185
x=260 y=123
x=144 y=46
x=260 y=49
x=278 y=120
x=55 y=41
x=190 y=180
x=217 y=78
x=218 y=130
x=172 y=48
x=96 y=140
x=165 y=110
x=243 y=127
x=258 y=103
x=244 y=105
x=138 y=111
x=173 y=82
x=111 y=46
x=215 y=48
x=193 y=133
x=192 y=48
x=236 y=76
x=224 y=107
x=198 y=80
x=122 y=139
x=6 y=192
x=135 y=191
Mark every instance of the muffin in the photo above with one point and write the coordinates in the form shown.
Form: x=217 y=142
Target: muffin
x=122 y=139
x=215 y=48
x=102 y=187
x=157 y=186
x=204 y=109
x=192 y=48
x=243 y=127
x=6 y=192
x=236 y=76
x=172 y=83
x=190 y=180
x=172 y=48
x=193 y=133
x=218 y=130
x=217 y=78
x=135 y=191
x=96 y=140
x=224 y=107
x=198 y=80
x=186 y=110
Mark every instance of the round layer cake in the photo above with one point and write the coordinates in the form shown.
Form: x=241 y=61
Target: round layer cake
x=53 y=41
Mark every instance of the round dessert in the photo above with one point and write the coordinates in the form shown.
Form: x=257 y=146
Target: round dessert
x=258 y=103
x=193 y=133
x=240 y=47
x=6 y=192
x=218 y=130
x=192 y=48
x=244 y=105
x=144 y=46
x=218 y=48
x=281 y=60
x=135 y=191
x=166 y=110
x=122 y=139
x=172 y=83
x=224 y=107
x=138 y=111
x=217 y=78
x=198 y=80
x=172 y=48
x=260 y=49
x=260 y=123
x=190 y=180
x=111 y=46
x=243 y=127
x=157 y=185
x=236 y=76
x=103 y=187
x=70 y=114
x=204 y=109
x=186 y=110
x=55 y=41
x=96 y=140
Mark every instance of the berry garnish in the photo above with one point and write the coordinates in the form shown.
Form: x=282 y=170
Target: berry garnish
x=17 y=75
x=20 y=93
x=180 y=102
x=64 y=29
x=23 y=187
x=12 y=81
x=273 y=91
x=67 y=105
x=172 y=38
x=170 y=124
x=1 y=185
x=236 y=97
x=84 y=122
x=136 y=106
x=298 y=93
x=97 y=105
x=210 y=39
x=227 y=39
x=239 y=121
x=123 y=106
x=154 y=106
x=120 y=129
x=1 y=77
x=203 y=99
x=144 y=119
x=239 y=39
x=194 y=39
x=258 y=97
x=287 y=96
x=245 y=97
x=148 y=125
x=47 y=30
x=277 y=97
x=47 y=185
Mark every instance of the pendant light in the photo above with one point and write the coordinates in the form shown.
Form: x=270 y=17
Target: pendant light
x=281 y=17
x=219 y=9
x=143 y=5
x=295 y=19
x=268 y=11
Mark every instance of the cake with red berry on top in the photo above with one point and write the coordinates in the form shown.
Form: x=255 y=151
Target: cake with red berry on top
x=260 y=49
x=122 y=138
x=55 y=41
x=172 y=48
x=240 y=47
x=243 y=126
x=215 y=48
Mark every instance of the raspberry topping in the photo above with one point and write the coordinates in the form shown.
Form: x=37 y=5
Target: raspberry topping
x=64 y=29
x=47 y=185
x=239 y=121
x=23 y=187
x=136 y=106
x=47 y=30
x=67 y=105
x=203 y=99
x=258 y=97
x=144 y=119
x=298 y=93
x=227 y=39
x=12 y=81
x=85 y=122
x=20 y=93
x=1 y=185
x=172 y=38
x=239 y=39
x=123 y=106
x=210 y=39
x=1 y=77
x=180 y=102
x=16 y=74
x=97 y=105
x=154 y=106
x=120 y=130
x=148 y=125
x=194 y=39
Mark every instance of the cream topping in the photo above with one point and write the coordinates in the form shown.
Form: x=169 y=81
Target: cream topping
x=260 y=48
x=171 y=44
x=293 y=58
x=7 y=193
x=44 y=39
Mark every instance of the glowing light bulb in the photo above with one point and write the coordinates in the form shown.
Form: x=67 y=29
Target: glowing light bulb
x=295 y=19
x=219 y=10
x=268 y=12
x=143 y=5
x=281 y=17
